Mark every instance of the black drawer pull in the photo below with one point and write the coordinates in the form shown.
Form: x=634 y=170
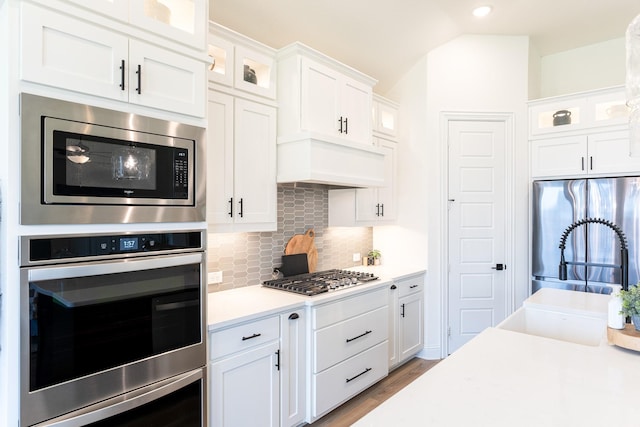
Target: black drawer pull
x=359 y=336
x=413 y=286
x=252 y=336
x=293 y=316
x=361 y=373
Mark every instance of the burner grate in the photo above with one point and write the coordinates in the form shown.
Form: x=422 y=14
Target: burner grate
x=320 y=282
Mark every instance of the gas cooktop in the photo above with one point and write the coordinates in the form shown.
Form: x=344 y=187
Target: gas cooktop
x=320 y=282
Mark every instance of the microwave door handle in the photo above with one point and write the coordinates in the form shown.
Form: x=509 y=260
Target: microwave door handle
x=89 y=269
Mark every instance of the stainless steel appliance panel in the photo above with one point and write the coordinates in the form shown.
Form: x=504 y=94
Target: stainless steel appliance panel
x=616 y=200
x=556 y=205
x=37 y=205
x=99 y=329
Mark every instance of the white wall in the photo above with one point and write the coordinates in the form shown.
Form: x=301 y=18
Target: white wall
x=590 y=67
x=468 y=74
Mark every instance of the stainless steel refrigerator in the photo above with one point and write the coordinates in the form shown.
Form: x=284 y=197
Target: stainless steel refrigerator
x=560 y=203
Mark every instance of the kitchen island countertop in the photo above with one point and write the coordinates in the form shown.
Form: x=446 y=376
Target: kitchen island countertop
x=506 y=378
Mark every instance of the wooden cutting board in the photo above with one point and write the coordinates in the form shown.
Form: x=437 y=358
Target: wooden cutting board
x=304 y=244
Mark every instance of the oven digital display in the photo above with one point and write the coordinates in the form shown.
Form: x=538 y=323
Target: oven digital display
x=128 y=243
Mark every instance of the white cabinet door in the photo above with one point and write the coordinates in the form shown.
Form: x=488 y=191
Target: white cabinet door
x=410 y=328
x=245 y=389
x=255 y=163
x=293 y=368
x=609 y=153
x=166 y=80
x=118 y=9
x=355 y=111
x=559 y=156
x=320 y=93
x=184 y=21
x=385 y=116
x=378 y=204
x=241 y=165
x=220 y=158
x=64 y=52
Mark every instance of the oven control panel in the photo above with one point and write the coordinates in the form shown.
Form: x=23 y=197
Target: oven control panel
x=85 y=246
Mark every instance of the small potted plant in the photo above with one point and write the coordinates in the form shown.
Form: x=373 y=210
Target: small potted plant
x=374 y=255
x=631 y=304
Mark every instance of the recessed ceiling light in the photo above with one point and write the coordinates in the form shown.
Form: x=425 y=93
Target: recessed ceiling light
x=482 y=11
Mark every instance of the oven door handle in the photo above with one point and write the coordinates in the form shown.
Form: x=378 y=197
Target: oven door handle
x=126 y=402
x=110 y=267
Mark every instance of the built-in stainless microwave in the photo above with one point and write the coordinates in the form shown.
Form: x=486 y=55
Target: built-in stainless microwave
x=82 y=164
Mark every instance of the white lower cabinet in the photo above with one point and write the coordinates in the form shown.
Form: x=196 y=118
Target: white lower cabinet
x=257 y=372
x=406 y=319
x=349 y=348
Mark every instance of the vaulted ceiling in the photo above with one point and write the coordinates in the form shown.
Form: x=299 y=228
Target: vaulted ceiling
x=384 y=38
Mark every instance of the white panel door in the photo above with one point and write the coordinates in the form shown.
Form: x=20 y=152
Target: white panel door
x=320 y=96
x=477 y=294
x=356 y=112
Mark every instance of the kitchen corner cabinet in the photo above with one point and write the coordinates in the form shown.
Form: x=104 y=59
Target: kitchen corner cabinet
x=63 y=51
x=406 y=319
x=322 y=96
x=257 y=372
x=367 y=206
x=241 y=164
x=349 y=348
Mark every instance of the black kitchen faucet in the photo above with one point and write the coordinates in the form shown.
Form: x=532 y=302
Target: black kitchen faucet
x=624 y=253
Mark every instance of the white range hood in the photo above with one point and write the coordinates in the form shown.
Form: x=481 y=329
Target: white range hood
x=313 y=159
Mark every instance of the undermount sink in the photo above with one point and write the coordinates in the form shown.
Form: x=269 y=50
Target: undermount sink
x=561 y=326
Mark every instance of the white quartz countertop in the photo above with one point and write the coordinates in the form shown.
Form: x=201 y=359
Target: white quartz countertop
x=506 y=378
x=226 y=308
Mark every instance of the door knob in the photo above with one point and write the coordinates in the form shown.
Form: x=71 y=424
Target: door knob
x=499 y=267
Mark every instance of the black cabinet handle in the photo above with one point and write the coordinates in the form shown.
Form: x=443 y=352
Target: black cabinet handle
x=591 y=163
x=582 y=164
x=381 y=209
x=378 y=209
x=413 y=286
x=293 y=316
x=361 y=373
x=340 y=121
x=278 y=360
x=139 y=73
x=252 y=336
x=231 y=207
x=122 y=74
x=346 y=125
x=402 y=314
x=394 y=287
x=359 y=336
x=241 y=203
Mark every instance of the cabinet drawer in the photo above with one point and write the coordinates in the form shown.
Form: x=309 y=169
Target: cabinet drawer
x=349 y=378
x=241 y=337
x=345 y=339
x=349 y=307
x=410 y=286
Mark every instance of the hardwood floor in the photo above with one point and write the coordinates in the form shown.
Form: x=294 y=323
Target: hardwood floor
x=359 y=406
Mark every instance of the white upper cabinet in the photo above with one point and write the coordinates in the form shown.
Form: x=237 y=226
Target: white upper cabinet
x=581 y=135
x=385 y=116
x=64 y=51
x=322 y=96
x=183 y=21
x=241 y=63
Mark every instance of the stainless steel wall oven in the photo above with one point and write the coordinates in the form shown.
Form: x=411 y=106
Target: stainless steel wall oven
x=113 y=329
x=88 y=165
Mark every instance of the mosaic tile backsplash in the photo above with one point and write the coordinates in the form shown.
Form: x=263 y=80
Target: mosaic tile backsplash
x=249 y=258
